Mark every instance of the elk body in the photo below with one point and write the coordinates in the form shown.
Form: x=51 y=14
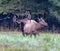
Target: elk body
x=32 y=27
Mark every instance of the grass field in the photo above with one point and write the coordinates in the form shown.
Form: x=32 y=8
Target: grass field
x=15 y=41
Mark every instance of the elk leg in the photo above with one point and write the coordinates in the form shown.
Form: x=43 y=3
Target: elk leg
x=36 y=32
x=23 y=33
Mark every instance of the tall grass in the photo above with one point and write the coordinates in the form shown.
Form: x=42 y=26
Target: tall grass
x=15 y=41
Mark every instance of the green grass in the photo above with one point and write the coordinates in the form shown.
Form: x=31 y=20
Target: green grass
x=15 y=41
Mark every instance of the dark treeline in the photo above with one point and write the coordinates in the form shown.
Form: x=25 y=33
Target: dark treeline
x=6 y=22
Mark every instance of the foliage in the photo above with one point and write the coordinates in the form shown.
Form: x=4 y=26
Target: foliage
x=8 y=5
x=51 y=8
x=20 y=5
x=55 y=8
x=43 y=42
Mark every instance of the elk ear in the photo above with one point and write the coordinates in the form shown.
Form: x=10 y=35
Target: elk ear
x=40 y=19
